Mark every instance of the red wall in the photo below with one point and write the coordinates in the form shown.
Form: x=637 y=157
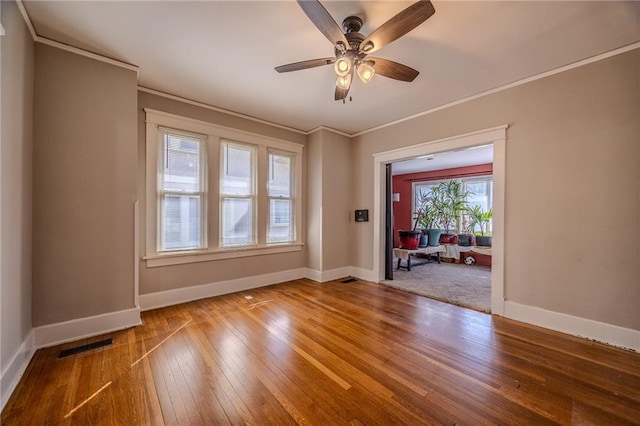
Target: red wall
x=402 y=184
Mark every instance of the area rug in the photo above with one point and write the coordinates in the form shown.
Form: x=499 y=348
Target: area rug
x=458 y=284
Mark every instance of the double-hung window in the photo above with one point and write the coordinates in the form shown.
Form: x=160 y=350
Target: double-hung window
x=214 y=192
x=237 y=194
x=281 y=197
x=181 y=191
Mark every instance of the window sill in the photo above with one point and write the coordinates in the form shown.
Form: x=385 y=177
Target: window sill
x=167 y=259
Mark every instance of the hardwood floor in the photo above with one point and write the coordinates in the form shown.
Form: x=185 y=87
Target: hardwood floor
x=333 y=353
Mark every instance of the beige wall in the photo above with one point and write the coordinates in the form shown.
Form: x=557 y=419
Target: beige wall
x=16 y=56
x=573 y=169
x=84 y=186
x=314 y=201
x=572 y=213
x=186 y=275
x=336 y=201
x=329 y=207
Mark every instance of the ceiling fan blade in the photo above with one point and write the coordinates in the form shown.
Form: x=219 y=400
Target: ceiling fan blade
x=303 y=65
x=325 y=23
x=398 y=26
x=393 y=69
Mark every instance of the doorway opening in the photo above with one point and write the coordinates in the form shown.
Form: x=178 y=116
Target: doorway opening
x=450 y=191
x=496 y=137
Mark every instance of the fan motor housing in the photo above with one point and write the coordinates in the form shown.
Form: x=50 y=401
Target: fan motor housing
x=351 y=26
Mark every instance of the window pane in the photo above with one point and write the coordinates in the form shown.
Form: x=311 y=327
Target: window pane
x=181 y=222
x=479 y=194
x=237 y=221
x=237 y=170
x=421 y=191
x=181 y=163
x=280 y=225
x=279 y=175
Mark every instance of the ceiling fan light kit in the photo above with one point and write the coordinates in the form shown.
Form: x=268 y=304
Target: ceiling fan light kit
x=352 y=48
x=366 y=72
x=344 y=81
x=343 y=66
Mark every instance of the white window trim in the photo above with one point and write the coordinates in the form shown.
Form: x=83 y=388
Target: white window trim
x=215 y=133
x=293 y=196
x=203 y=193
x=253 y=197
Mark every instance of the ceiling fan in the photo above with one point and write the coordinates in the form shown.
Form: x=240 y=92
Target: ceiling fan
x=352 y=49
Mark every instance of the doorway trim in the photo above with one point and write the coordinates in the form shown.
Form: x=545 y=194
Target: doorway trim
x=497 y=136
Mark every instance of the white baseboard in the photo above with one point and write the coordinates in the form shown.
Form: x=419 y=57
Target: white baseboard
x=364 y=274
x=187 y=294
x=68 y=331
x=594 y=330
x=53 y=334
x=15 y=368
x=330 y=275
x=601 y=332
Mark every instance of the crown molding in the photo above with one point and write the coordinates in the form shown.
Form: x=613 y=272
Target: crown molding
x=88 y=54
x=39 y=39
x=27 y=20
x=520 y=82
x=237 y=114
x=135 y=68
x=329 y=129
x=218 y=109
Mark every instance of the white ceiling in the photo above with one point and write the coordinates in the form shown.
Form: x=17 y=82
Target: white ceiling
x=445 y=160
x=222 y=53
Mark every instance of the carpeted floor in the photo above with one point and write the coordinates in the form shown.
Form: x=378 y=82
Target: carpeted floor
x=462 y=285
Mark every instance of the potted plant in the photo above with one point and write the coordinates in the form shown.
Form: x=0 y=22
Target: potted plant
x=427 y=217
x=419 y=219
x=465 y=239
x=480 y=218
x=450 y=201
x=411 y=240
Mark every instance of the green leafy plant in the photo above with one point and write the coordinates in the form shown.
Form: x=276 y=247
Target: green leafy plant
x=425 y=215
x=479 y=218
x=449 y=201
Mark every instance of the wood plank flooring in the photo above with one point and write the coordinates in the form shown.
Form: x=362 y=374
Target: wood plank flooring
x=327 y=354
